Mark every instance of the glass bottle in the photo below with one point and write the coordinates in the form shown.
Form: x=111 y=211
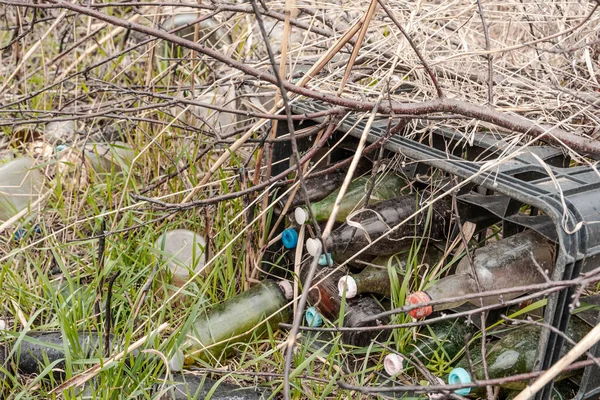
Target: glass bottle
x=375 y=221
x=317 y=188
x=329 y=304
x=515 y=353
x=237 y=320
x=375 y=277
x=447 y=337
x=20 y=185
x=502 y=264
x=37 y=347
x=386 y=187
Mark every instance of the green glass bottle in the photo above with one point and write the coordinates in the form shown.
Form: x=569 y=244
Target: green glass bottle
x=375 y=277
x=386 y=187
x=376 y=221
x=237 y=320
x=515 y=354
x=445 y=337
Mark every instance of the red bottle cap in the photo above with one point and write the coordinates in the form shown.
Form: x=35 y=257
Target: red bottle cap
x=418 y=298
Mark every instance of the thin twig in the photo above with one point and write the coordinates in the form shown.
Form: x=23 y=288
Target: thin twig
x=488 y=56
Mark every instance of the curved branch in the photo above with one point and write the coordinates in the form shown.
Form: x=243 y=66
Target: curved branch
x=513 y=122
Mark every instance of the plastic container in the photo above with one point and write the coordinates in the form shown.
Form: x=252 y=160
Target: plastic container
x=387 y=187
x=20 y=185
x=184 y=254
x=237 y=320
x=377 y=220
x=561 y=202
x=498 y=266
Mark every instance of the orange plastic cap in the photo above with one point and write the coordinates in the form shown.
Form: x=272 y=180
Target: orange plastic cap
x=419 y=298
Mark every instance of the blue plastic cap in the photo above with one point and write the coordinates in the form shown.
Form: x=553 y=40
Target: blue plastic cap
x=313 y=318
x=458 y=376
x=325 y=259
x=289 y=237
x=61 y=147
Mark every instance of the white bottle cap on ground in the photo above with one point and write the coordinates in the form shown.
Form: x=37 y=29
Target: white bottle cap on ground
x=287 y=289
x=300 y=215
x=347 y=284
x=393 y=364
x=184 y=252
x=313 y=246
x=176 y=362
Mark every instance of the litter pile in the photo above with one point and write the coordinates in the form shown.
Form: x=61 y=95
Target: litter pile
x=178 y=227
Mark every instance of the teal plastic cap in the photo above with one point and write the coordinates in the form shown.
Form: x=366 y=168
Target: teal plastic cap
x=325 y=260
x=458 y=376
x=289 y=237
x=313 y=318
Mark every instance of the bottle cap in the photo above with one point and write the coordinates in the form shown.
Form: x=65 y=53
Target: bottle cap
x=325 y=260
x=289 y=237
x=418 y=298
x=458 y=376
x=300 y=215
x=176 y=362
x=313 y=318
x=313 y=246
x=393 y=364
x=61 y=147
x=347 y=284
x=287 y=289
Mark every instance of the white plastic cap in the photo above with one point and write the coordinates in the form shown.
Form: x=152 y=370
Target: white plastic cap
x=287 y=289
x=313 y=246
x=393 y=364
x=348 y=284
x=300 y=215
x=176 y=362
x=3 y=325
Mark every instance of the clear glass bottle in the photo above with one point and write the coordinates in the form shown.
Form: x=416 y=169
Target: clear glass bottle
x=237 y=320
x=503 y=264
x=386 y=187
x=376 y=220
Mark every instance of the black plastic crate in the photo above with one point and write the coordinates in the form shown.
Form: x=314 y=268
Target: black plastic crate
x=538 y=176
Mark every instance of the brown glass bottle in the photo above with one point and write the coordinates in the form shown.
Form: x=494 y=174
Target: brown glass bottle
x=326 y=299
